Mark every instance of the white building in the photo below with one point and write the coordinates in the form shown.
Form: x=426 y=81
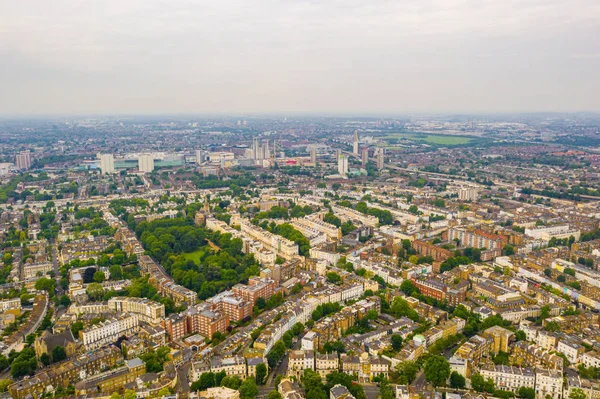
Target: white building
x=23 y=160
x=5 y=168
x=144 y=309
x=355 y=143
x=107 y=163
x=548 y=382
x=146 y=163
x=591 y=359
x=571 y=349
x=468 y=194
x=108 y=331
x=343 y=165
x=558 y=232
x=380 y=159
x=509 y=378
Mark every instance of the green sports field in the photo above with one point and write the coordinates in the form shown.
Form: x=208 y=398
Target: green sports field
x=439 y=139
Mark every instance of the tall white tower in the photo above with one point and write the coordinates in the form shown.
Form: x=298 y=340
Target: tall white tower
x=355 y=143
x=381 y=159
x=146 y=163
x=107 y=163
x=343 y=165
x=365 y=156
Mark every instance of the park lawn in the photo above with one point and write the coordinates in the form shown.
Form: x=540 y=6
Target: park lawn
x=194 y=256
x=440 y=139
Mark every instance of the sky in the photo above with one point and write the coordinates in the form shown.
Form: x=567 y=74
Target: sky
x=321 y=57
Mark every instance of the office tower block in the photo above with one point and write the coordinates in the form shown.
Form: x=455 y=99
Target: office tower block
x=343 y=165
x=355 y=143
x=365 y=156
x=146 y=163
x=380 y=159
x=107 y=163
x=23 y=160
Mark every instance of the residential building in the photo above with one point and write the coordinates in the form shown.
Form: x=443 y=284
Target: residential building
x=146 y=163
x=108 y=331
x=107 y=163
x=145 y=309
x=23 y=161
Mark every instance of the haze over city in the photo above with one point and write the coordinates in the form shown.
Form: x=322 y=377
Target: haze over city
x=318 y=57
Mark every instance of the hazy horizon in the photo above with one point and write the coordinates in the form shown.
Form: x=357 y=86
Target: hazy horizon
x=298 y=57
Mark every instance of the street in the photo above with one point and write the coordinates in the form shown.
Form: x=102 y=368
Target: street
x=183 y=385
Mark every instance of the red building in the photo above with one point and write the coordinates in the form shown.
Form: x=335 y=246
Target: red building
x=256 y=288
x=426 y=249
x=432 y=288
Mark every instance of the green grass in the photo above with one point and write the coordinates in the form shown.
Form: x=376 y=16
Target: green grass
x=193 y=256
x=439 y=139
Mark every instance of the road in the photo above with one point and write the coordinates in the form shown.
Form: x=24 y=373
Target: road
x=183 y=385
x=55 y=268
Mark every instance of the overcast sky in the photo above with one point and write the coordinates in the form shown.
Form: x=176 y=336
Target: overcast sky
x=298 y=56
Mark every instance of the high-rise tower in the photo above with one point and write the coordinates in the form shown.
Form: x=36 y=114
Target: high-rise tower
x=355 y=143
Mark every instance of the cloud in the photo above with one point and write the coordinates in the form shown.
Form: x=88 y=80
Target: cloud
x=299 y=55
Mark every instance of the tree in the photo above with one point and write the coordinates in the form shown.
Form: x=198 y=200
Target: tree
x=396 y=342
x=45 y=284
x=407 y=371
x=526 y=393
x=548 y=272
x=206 y=380
x=261 y=373
x=520 y=335
x=544 y=312
x=45 y=359
x=276 y=354
x=508 y=250
x=261 y=303
x=408 y=287
x=99 y=277
x=577 y=393
x=116 y=272
x=95 y=291
x=552 y=326
x=164 y=391
x=76 y=327
x=274 y=395
x=231 y=381
x=437 y=370
x=457 y=381
x=248 y=389
x=335 y=346
x=334 y=278
x=478 y=382
x=115 y=395
x=130 y=394
x=298 y=328
x=58 y=354
x=287 y=339
x=4 y=384
x=64 y=301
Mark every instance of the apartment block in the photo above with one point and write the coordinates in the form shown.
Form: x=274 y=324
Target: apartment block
x=281 y=246
x=509 y=378
x=108 y=331
x=144 y=309
x=256 y=288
